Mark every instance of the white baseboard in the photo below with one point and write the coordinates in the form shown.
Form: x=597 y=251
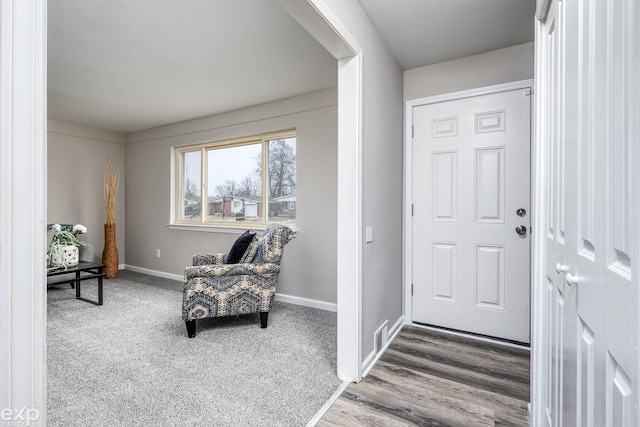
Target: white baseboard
x=306 y=302
x=395 y=329
x=156 y=273
x=372 y=357
x=368 y=363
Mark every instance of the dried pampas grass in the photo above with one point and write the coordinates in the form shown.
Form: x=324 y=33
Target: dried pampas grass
x=111 y=181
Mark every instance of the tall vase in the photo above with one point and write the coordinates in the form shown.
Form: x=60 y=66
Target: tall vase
x=110 y=252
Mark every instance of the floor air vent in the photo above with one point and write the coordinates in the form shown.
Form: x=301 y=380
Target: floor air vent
x=381 y=337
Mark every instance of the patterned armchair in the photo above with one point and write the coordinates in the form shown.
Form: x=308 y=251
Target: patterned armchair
x=215 y=289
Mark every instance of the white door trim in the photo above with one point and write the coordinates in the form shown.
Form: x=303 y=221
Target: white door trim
x=538 y=181
x=316 y=17
x=23 y=173
x=408 y=175
x=349 y=271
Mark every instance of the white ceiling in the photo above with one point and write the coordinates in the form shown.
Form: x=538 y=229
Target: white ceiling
x=124 y=66
x=127 y=65
x=425 y=32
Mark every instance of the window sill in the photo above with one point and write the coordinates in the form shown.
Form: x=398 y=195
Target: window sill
x=217 y=228
x=209 y=228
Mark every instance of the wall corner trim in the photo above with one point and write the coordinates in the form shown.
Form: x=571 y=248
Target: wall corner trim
x=23 y=186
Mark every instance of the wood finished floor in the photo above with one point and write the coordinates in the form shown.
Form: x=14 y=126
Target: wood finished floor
x=429 y=378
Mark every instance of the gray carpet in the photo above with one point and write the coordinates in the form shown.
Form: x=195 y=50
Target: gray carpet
x=130 y=363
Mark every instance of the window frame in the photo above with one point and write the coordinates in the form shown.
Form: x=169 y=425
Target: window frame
x=177 y=199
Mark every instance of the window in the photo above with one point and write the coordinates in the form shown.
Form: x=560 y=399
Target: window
x=225 y=183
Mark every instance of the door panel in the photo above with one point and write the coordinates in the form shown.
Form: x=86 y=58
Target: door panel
x=591 y=363
x=444 y=272
x=586 y=377
x=490 y=185
x=471 y=175
x=490 y=277
x=445 y=198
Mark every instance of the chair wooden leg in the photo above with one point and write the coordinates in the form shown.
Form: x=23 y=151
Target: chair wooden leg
x=264 y=315
x=191 y=328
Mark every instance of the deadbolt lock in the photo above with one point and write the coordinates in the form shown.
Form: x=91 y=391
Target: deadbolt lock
x=521 y=212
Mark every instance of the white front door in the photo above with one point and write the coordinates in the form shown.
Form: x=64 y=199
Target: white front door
x=471 y=224
x=587 y=369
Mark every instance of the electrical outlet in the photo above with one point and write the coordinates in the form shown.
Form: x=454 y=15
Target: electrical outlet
x=157 y=253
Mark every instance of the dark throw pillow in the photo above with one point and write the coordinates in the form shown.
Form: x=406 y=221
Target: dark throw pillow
x=239 y=247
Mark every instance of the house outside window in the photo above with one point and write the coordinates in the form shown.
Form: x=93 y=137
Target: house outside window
x=229 y=183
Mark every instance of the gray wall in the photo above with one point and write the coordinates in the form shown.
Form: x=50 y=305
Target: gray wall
x=490 y=68
x=76 y=161
x=309 y=262
x=381 y=173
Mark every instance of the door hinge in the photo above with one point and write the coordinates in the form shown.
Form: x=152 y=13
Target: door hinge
x=412 y=129
x=411 y=210
x=528 y=91
x=412 y=289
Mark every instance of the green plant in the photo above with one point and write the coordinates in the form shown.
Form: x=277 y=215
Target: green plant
x=63 y=237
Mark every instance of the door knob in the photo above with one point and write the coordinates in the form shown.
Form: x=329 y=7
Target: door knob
x=560 y=268
x=573 y=280
x=521 y=230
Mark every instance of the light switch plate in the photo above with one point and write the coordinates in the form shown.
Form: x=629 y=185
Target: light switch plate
x=368 y=235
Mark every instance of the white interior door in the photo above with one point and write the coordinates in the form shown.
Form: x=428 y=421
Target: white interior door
x=471 y=196
x=589 y=365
